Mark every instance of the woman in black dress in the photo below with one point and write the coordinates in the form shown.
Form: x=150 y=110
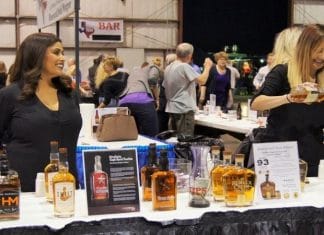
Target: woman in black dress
x=290 y=118
x=113 y=84
x=39 y=106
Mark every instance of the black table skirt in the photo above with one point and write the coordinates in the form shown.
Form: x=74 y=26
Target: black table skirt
x=297 y=220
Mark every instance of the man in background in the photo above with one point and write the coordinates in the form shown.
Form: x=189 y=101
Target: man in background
x=180 y=89
x=263 y=71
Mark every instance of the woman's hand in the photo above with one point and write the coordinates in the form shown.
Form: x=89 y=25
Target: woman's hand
x=300 y=93
x=101 y=105
x=208 y=63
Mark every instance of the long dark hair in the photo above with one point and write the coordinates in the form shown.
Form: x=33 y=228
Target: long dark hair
x=28 y=64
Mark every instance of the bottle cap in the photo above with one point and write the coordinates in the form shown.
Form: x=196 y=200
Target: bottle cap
x=215 y=147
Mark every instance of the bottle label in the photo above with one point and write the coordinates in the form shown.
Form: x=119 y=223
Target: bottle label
x=199 y=187
x=165 y=198
x=100 y=185
x=64 y=196
x=50 y=184
x=9 y=201
x=239 y=185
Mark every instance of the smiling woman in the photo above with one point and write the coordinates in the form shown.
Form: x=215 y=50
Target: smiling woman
x=38 y=107
x=290 y=117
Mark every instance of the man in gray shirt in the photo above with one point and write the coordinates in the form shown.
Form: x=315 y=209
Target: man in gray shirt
x=180 y=89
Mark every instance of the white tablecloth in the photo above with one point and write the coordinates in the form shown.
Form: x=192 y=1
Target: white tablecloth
x=243 y=126
x=37 y=212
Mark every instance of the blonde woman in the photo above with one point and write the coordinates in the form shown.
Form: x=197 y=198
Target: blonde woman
x=290 y=118
x=285 y=45
x=113 y=84
x=101 y=75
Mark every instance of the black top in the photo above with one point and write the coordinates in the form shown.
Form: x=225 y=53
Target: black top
x=112 y=86
x=3 y=78
x=217 y=86
x=27 y=127
x=293 y=122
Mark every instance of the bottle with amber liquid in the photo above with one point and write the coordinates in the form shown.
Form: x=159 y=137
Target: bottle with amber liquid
x=239 y=184
x=164 y=186
x=99 y=181
x=50 y=170
x=147 y=171
x=216 y=176
x=268 y=188
x=63 y=188
x=239 y=111
x=9 y=190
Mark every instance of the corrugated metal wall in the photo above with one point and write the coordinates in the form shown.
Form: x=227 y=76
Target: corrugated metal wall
x=152 y=25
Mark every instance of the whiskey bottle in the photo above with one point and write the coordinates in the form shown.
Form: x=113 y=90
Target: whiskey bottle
x=164 y=186
x=217 y=174
x=213 y=161
x=99 y=181
x=239 y=111
x=50 y=170
x=268 y=188
x=97 y=119
x=239 y=184
x=147 y=171
x=9 y=190
x=63 y=188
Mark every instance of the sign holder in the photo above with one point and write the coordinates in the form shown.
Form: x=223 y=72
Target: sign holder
x=111 y=181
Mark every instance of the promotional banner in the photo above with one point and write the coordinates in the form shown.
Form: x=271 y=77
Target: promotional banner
x=111 y=180
x=50 y=11
x=101 y=30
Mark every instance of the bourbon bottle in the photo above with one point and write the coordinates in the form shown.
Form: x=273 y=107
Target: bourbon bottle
x=63 y=188
x=217 y=174
x=50 y=170
x=99 y=181
x=164 y=186
x=9 y=190
x=147 y=171
x=268 y=188
x=239 y=184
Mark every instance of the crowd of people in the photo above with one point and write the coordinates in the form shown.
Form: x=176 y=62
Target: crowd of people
x=40 y=103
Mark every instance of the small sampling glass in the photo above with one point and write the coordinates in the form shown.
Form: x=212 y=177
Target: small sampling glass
x=182 y=170
x=303 y=168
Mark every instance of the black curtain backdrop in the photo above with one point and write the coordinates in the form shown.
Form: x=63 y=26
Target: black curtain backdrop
x=253 y=24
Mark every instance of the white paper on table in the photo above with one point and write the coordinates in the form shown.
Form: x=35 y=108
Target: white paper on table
x=281 y=161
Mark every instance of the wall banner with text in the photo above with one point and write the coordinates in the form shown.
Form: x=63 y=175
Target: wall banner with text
x=50 y=11
x=101 y=30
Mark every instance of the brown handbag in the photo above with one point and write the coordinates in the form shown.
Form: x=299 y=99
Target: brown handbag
x=117 y=127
